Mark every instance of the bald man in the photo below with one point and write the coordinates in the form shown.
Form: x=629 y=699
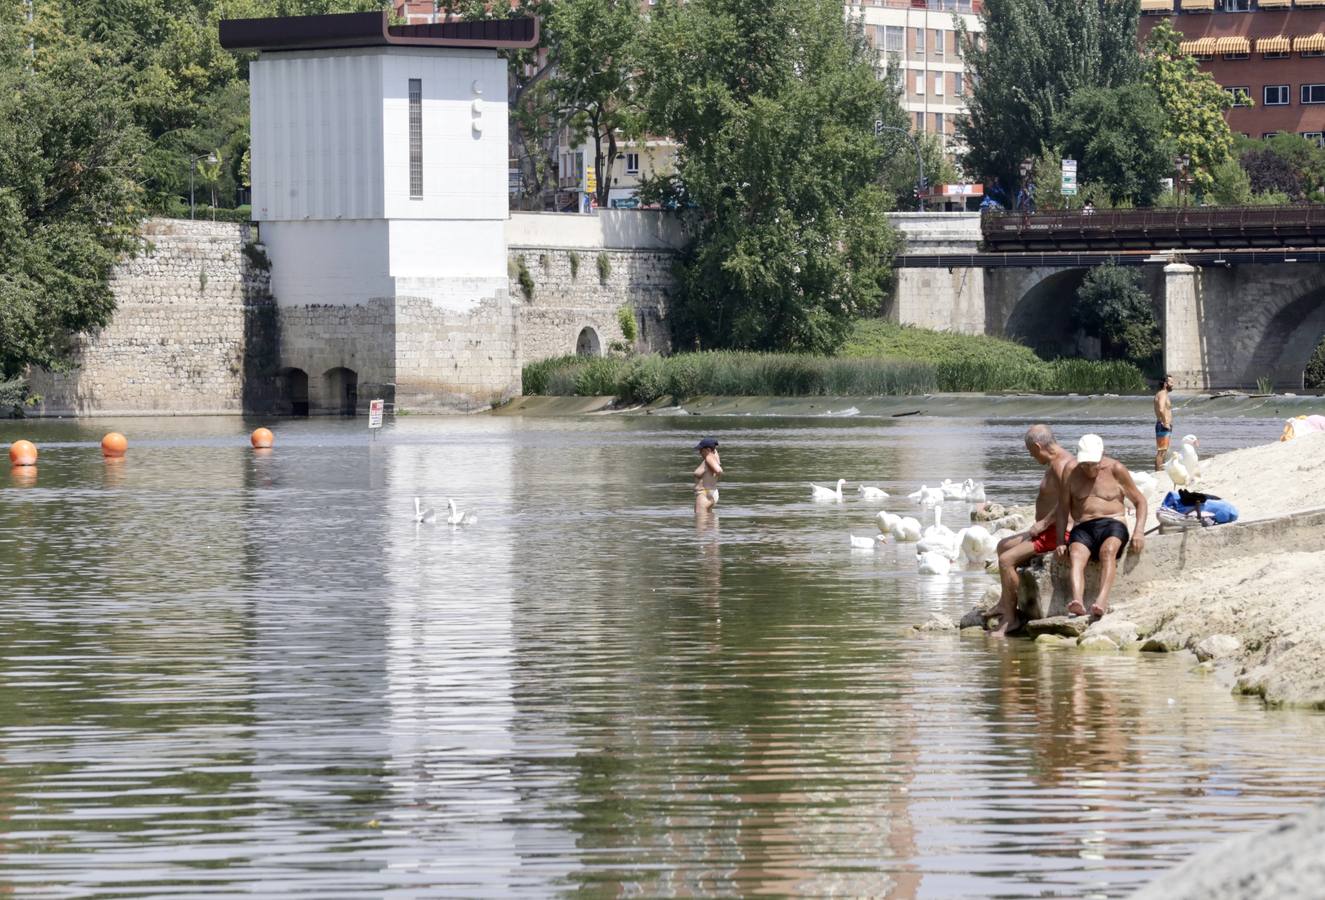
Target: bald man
x=1043 y=537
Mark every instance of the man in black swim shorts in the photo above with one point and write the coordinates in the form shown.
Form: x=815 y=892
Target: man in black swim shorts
x=1098 y=489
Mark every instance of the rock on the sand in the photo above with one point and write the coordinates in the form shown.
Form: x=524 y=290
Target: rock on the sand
x=1055 y=640
x=1098 y=642
x=1284 y=861
x=1217 y=646
x=1120 y=631
x=1065 y=626
x=937 y=622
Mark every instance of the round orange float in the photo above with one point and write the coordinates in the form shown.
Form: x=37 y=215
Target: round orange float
x=114 y=445
x=23 y=453
x=262 y=438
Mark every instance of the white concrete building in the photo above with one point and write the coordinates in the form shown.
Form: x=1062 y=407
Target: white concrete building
x=921 y=36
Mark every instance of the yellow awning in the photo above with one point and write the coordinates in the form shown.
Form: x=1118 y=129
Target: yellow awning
x=1276 y=4
x=1198 y=5
x=1159 y=5
x=1200 y=47
x=1311 y=43
x=1228 y=45
x=1279 y=44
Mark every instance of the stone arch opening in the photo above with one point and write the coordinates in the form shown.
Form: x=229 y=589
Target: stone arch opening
x=342 y=391
x=1042 y=318
x=1288 y=342
x=588 y=343
x=293 y=387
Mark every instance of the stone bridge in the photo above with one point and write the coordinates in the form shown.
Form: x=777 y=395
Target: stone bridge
x=1230 y=318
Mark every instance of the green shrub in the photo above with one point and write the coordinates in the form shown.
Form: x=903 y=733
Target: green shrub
x=574 y=264
x=1315 y=374
x=600 y=376
x=625 y=317
x=13 y=394
x=645 y=381
x=604 y=267
x=526 y=280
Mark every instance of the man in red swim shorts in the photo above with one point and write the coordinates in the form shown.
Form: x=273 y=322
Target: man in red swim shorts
x=1043 y=536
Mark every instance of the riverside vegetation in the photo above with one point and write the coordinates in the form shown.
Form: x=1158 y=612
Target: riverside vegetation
x=880 y=358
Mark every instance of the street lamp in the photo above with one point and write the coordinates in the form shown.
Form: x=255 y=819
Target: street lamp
x=193 y=164
x=879 y=129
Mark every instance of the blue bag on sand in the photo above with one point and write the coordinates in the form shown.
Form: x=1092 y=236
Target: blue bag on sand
x=1220 y=511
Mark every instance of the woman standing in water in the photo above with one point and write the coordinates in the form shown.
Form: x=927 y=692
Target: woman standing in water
x=706 y=476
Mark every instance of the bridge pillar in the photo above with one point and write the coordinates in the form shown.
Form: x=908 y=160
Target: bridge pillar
x=1184 y=332
x=941 y=299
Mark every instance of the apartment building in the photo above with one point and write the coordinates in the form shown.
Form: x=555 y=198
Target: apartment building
x=921 y=37
x=1270 y=54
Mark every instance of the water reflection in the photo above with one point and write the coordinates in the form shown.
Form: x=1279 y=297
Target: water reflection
x=231 y=671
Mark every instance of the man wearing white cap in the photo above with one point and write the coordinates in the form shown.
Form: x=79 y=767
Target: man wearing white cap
x=1095 y=519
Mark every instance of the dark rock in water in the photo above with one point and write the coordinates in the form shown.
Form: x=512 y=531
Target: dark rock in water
x=1064 y=626
x=1284 y=861
x=1160 y=643
x=974 y=619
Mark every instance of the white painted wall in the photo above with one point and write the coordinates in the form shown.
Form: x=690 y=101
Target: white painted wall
x=610 y=229
x=332 y=263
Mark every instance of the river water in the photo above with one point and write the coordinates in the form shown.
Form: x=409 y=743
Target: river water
x=230 y=673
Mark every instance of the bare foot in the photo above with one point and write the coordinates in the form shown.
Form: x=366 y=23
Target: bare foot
x=1099 y=612
x=1007 y=626
x=1076 y=608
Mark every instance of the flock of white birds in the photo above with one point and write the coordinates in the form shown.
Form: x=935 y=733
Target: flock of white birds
x=455 y=516
x=939 y=549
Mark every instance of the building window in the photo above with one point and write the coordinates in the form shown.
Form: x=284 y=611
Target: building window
x=1275 y=54
x=938 y=124
x=1276 y=95
x=894 y=38
x=1316 y=137
x=415 y=138
x=1237 y=56
x=938 y=84
x=920 y=121
x=1235 y=5
x=920 y=83
x=958 y=84
x=919 y=35
x=938 y=43
x=1307 y=54
x=1313 y=93
x=1241 y=95
x=632 y=163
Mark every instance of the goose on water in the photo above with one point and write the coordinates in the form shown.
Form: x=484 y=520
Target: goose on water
x=871 y=493
x=938 y=538
x=933 y=563
x=927 y=496
x=865 y=543
x=827 y=495
x=952 y=490
x=887 y=523
x=459 y=517
x=423 y=516
x=973 y=491
x=978 y=547
x=907 y=530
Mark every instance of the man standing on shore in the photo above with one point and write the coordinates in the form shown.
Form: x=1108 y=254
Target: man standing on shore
x=1094 y=514
x=1044 y=536
x=1163 y=420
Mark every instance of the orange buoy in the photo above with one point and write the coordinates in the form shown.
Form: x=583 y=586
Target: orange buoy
x=23 y=453
x=114 y=445
x=262 y=438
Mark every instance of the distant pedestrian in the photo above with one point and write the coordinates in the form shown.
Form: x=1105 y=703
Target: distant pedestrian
x=1088 y=209
x=706 y=476
x=1163 y=420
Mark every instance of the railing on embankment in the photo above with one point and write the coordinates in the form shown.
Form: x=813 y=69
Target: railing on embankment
x=1192 y=227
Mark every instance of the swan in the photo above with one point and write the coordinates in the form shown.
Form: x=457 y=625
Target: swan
x=1176 y=471
x=933 y=564
x=457 y=517
x=865 y=543
x=973 y=491
x=977 y=546
x=927 y=496
x=907 y=530
x=1190 y=461
x=938 y=538
x=872 y=493
x=827 y=495
x=952 y=490
x=887 y=522
x=423 y=516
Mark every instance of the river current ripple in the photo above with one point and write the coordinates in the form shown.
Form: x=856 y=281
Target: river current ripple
x=231 y=674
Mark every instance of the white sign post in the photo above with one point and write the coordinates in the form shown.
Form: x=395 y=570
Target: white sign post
x=375 y=410
x=1069 y=178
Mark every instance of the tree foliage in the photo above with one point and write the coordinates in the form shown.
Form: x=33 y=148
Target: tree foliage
x=1283 y=164
x=69 y=196
x=1032 y=57
x=773 y=106
x=1193 y=104
x=1117 y=137
x=1111 y=305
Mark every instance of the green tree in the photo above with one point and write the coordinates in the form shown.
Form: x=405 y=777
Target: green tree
x=1193 y=103
x=1111 y=305
x=1117 y=137
x=593 y=80
x=69 y=198
x=1230 y=185
x=900 y=167
x=1031 y=58
x=773 y=106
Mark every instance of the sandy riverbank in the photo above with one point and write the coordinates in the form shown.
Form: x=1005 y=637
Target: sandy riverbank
x=1245 y=598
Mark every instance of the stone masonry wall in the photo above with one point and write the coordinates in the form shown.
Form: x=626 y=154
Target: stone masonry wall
x=192 y=330
x=567 y=299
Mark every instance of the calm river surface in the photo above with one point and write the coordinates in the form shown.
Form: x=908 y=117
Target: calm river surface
x=224 y=673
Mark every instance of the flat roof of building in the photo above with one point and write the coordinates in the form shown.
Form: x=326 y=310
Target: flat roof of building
x=373 y=29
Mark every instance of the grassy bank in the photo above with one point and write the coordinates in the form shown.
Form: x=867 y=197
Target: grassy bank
x=881 y=359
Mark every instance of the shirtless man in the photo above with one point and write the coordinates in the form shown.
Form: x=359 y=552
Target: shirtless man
x=1163 y=420
x=707 y=475
x=1043 y=536
x=1095 y=517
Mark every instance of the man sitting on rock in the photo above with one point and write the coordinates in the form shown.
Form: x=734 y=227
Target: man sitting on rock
x=1095 y=517
x=1043 y=537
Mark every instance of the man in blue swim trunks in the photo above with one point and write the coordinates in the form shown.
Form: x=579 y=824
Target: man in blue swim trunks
x=1163 y=421
x=1095 y=519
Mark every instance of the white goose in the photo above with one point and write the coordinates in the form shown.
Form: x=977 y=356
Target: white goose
x=1145 y=482
x=865 y=543
x=973 y=491
x=827 y=495
x=887 y=522
x=933 y=563
x=1190 y=461
x=1176 y=471
x=907 y=530
x=458 y=517
x=872 y=493
x=423 y=516
x=938 y=538
x=952 y=490
x=927 y=496
x=977 y=547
